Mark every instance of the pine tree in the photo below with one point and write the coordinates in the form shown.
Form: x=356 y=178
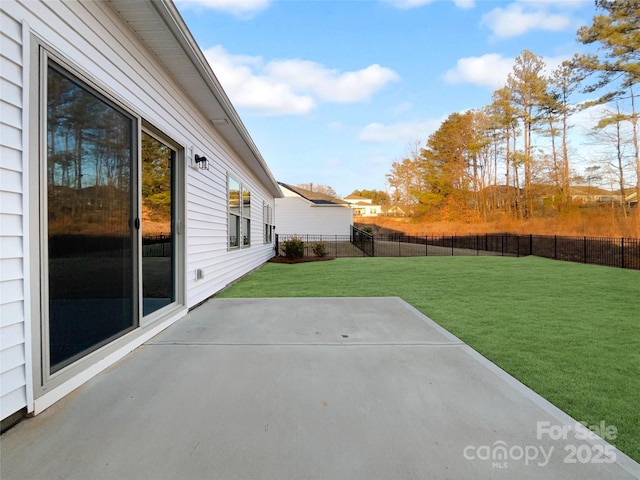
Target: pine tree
x=528 y=86
x=617 y=32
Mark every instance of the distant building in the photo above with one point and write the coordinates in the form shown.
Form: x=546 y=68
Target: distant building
x=303 y=212
x=589 y=194
x=362 y=206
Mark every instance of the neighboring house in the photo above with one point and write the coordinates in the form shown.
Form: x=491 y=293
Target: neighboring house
x=632 y=199
x=589 y=194
x=303 y=212
x=393 y=211
x=498 y=196
x=112 y=223
x=362 y=206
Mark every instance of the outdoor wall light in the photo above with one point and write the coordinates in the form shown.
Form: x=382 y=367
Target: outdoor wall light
x=201 y=162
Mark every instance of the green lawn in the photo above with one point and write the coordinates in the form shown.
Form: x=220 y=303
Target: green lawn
x=569 y=331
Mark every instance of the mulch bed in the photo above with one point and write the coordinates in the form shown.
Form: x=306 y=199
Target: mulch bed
x=283 y=259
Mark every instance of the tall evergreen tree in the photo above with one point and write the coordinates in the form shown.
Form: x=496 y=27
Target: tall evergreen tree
x=617 y=32
x=447 y=163
x=564 y=82
x=504 y=113
x=528 y=86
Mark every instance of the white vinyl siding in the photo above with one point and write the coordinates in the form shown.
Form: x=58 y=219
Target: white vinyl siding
x=297 y=216
x=102 y=47
x=13 y=377
x=98 y=44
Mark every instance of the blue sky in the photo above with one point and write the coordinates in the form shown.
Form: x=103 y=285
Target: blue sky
x=333 y=92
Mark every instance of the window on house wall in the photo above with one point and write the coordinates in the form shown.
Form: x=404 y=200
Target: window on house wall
x=239 y=214
x=246 y=217
x=268 y=223
x=234 y=212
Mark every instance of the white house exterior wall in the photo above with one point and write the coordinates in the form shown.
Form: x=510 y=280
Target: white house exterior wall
x=93 y=39
x=297 y=216
x=14 y=343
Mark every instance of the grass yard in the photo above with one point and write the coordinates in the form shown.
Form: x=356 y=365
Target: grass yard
x=569 y=331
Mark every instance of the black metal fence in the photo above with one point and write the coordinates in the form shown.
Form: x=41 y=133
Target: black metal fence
x=156 y=245
x=338 y=246
x=612 y=252
x=365 y=241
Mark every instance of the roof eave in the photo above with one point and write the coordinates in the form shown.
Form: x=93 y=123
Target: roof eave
x=222 y=114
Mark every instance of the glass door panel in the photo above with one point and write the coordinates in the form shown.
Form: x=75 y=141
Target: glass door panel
x=158 y=236
x=90 y=160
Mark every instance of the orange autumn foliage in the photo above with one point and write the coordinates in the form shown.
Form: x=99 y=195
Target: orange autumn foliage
x=594 y=222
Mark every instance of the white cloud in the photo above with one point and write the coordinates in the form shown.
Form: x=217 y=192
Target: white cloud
x=522 y=16
x=490 y=70
x=551 y=63
x=291 y=87
x=239 y=8
x=584 y=146
x=403 y=132
x=464 y=4
x=330 y=84
x=588 y=118
x=409 y=4
x=248 y=89
x=564 y=5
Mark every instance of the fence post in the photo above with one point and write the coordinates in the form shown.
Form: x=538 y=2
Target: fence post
x=530 y=244
x=584 y=249
x=426 y=246
x=517 y=245
x=622 y=251
x=555 y=247
x=452 y=241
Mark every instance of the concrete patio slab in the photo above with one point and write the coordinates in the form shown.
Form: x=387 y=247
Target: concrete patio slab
x=342 y=388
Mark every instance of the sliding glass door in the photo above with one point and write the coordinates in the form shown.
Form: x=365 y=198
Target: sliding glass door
x=106 y=263
x=158 y=224
x=91 y=226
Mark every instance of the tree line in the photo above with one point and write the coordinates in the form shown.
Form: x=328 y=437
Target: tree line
x=514 y=155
